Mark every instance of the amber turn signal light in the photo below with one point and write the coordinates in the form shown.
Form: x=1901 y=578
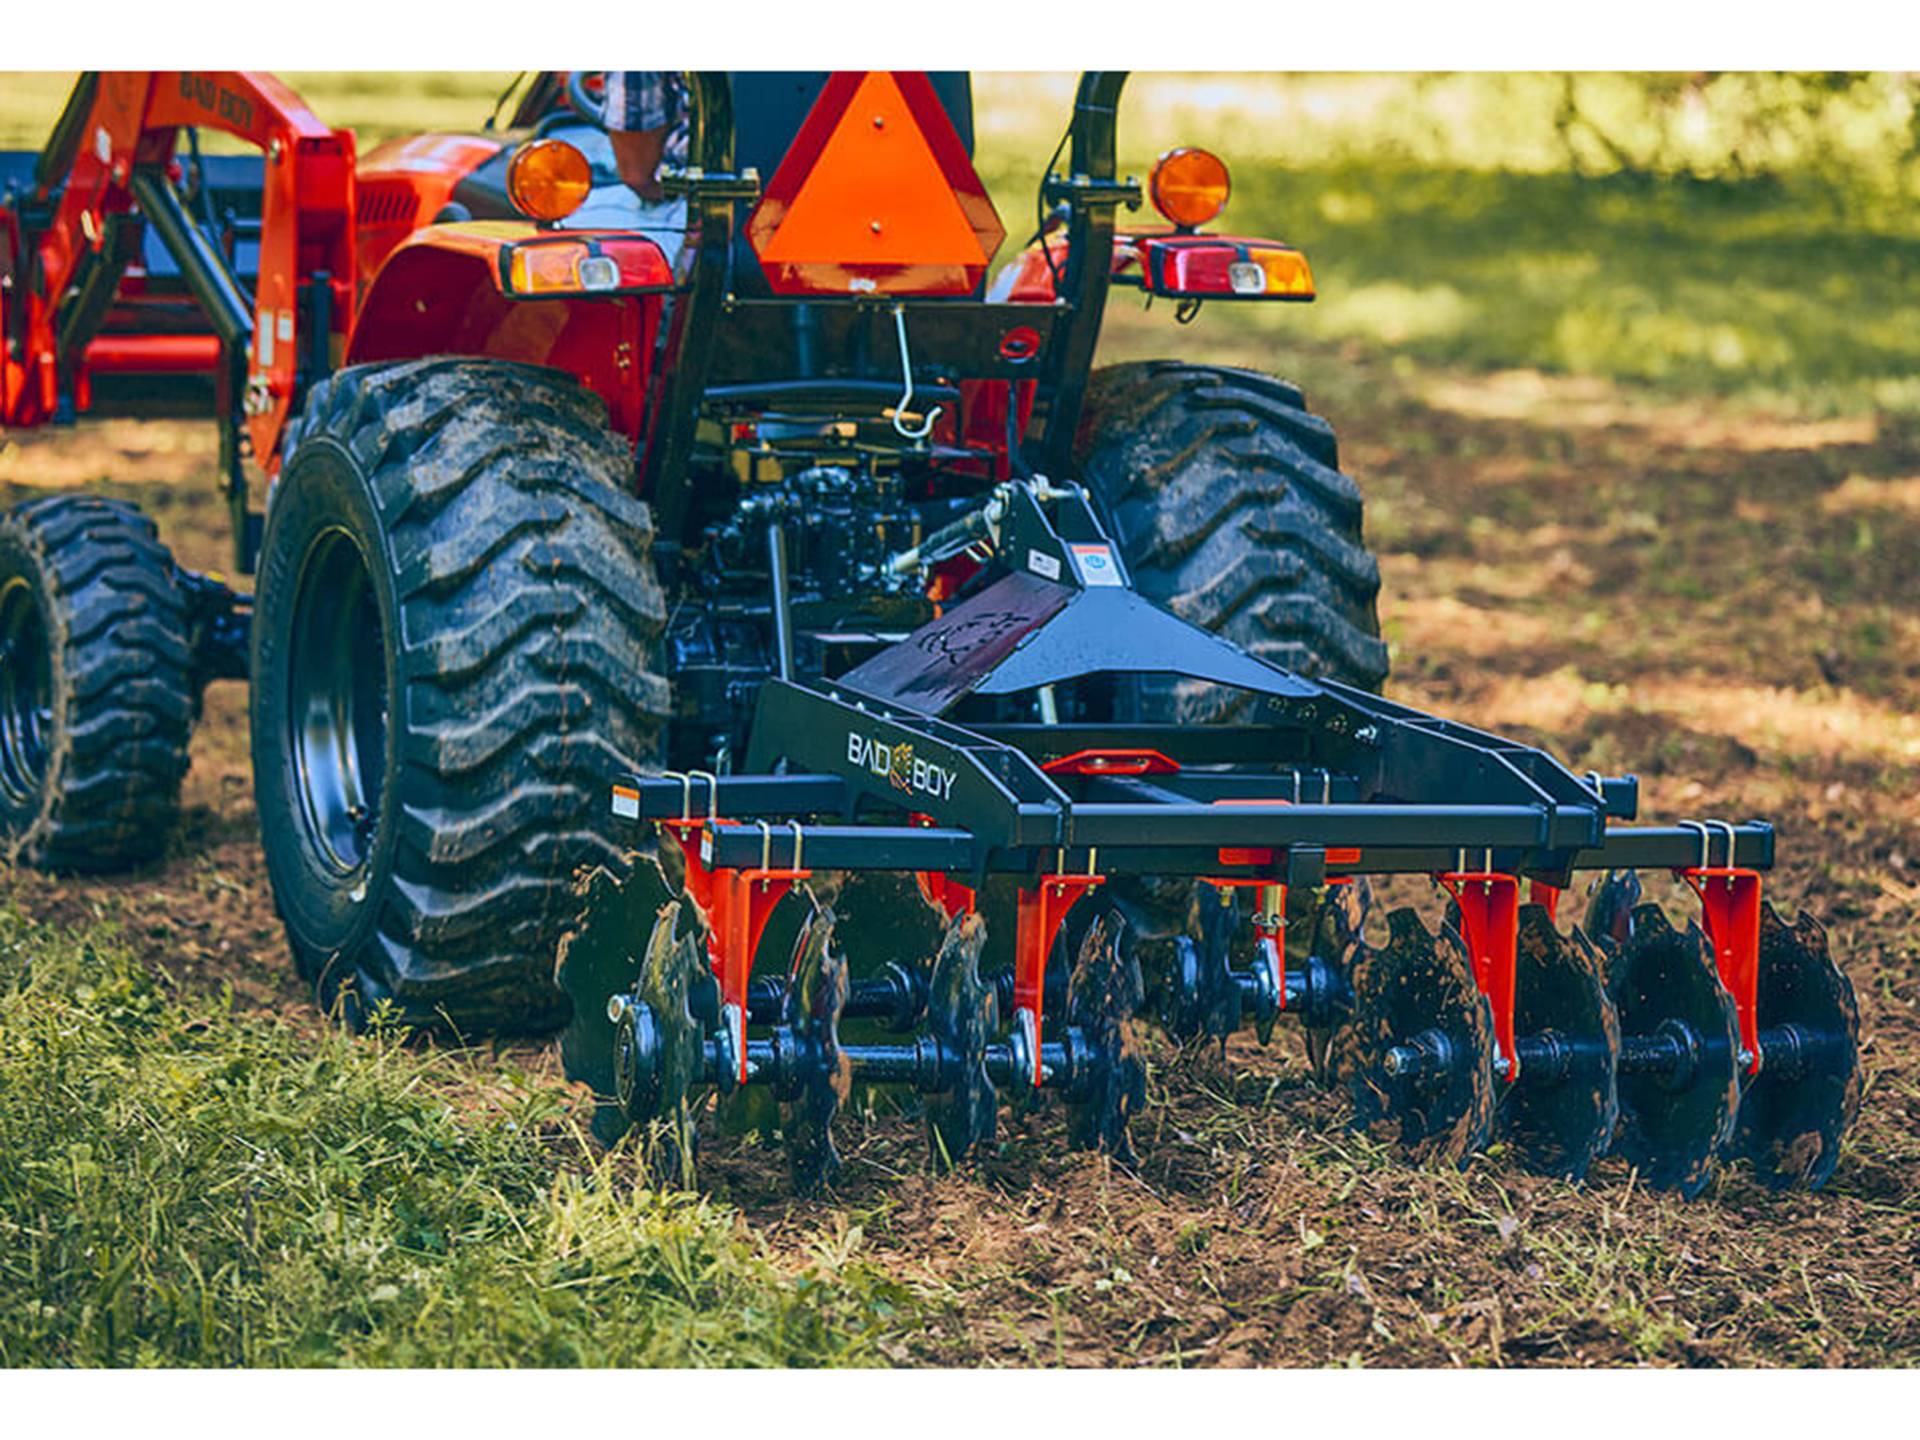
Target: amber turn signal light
x=548 y=180
x=1189 y=186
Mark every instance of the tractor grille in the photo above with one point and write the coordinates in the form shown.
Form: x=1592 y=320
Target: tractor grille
x=387 y=202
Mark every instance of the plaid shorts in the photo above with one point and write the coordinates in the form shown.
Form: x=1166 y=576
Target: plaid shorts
x=646 y=100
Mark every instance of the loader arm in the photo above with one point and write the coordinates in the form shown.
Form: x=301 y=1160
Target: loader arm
x=110 y=167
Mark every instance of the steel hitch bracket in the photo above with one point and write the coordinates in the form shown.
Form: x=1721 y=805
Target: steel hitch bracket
x=1040 y=912
x=737 y=903
x=1730 y=914
x=1489 y=905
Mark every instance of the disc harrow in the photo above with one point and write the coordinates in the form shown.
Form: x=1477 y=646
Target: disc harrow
x=911 y=794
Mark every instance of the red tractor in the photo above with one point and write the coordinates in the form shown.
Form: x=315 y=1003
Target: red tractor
x=698 y=641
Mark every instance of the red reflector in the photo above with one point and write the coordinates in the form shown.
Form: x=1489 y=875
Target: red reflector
x=1232 y=856
x=1112 y=762
x=876 y=196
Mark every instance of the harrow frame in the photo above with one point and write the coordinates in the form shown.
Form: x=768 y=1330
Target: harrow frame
x=877 y=770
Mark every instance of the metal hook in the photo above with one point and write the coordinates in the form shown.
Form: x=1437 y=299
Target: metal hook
x=1728 y=827
x=686 y=791
x=713 y=791
x=799 y=838
x=906 y=396
x=766 y=844
x=1696 y=825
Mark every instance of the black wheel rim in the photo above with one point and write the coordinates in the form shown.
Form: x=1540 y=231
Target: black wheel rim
x=26 y=692
x=337 y=699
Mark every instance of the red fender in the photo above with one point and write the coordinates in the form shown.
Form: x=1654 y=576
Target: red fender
x=404 y=184
x=443 y=292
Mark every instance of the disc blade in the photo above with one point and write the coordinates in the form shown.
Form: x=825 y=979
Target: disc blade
x=1610 y=905
x=885 y=918
x=1103 y=995
x=1201 y=1000
x=1790 y=1124
x=673 y=975
x=962 y=1015
x=1419 y=985
x=1560 y=1118
x=598 y=960
x=1665 y=990
x=814 y=1000
x=1338 y=930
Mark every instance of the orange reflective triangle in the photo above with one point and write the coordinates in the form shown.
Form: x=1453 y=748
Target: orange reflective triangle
x=875 y=195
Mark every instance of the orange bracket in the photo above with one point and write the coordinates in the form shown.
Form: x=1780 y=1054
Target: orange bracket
x=938 y=888
x=948 y=895
x=1490 y=915
x=1730 y=908
x=1038 y=919
x=736 y=904
x=1541 y=893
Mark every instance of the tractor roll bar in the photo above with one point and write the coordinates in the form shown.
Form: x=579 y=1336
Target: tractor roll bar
x=1091 y=194
x=711 y=188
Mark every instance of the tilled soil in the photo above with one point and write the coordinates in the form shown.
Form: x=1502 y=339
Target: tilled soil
x=1724 y=602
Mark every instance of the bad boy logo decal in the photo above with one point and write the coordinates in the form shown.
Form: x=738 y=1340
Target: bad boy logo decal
x=897 y=765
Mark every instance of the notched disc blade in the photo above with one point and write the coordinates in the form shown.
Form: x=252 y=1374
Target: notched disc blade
x=1418 y=983
x=815 y=997
x=1610 y=908
x=962 y=1015
x=1558 y=1124
x=1337 y=936
x=673 y=976
x=1790 y=1126
x=1202 y=1002
x=1663 y=983
x=597 y=961
x=1103 y=995
x=884 y=918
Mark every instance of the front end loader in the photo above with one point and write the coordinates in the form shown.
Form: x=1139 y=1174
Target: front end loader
x=698 y=644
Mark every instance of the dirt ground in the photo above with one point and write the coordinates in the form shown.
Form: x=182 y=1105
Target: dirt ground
x=1723 y=602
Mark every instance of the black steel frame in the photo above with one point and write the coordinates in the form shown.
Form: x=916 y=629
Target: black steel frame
x=1381 y=787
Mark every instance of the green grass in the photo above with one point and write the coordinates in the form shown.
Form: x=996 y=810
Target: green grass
x=1780 y=291
x=179 y=1186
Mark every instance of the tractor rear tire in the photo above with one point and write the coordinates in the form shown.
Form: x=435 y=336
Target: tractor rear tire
x=1230 y=509
x=455 y=651
x=1226 y=498
x=97 y=696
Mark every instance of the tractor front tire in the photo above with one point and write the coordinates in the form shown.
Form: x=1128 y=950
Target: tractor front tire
x=97 y=696
x=1231 y=511
x=455 y=651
